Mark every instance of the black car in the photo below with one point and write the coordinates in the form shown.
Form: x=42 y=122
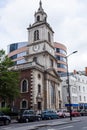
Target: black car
x=4 y=119
x=28 y=115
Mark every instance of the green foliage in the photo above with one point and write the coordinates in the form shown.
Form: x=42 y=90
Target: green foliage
x=9 y=85
x=2 y=52
x=9 y=80
x=5 y=110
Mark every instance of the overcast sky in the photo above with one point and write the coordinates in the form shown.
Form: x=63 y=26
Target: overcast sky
x=68 y=18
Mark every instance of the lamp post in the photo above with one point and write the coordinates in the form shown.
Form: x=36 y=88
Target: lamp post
x=68 y=83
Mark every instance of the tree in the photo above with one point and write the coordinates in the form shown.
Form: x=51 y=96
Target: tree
x=9 y=80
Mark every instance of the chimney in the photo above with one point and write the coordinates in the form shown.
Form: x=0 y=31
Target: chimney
x=86 y=71
x=75 y=72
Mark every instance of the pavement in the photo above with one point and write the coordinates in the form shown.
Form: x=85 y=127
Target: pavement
x=44 y=124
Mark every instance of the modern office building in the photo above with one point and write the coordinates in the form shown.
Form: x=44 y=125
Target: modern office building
x=60 y=54
x=17 y=51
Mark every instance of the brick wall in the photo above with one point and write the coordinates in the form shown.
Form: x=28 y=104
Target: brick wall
x=24 y=74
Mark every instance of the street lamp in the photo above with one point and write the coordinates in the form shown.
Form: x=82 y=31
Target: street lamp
x=69 y=100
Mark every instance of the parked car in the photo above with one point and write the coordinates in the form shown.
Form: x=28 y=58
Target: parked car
x=49 y=114
x=28 y=115
x=83 y=112
x=4 y=119
x=63 y=113
x=75 y=113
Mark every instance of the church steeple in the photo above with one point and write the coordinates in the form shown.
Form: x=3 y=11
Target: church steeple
x=40 y=15
x=40 y=36
x=40 y=6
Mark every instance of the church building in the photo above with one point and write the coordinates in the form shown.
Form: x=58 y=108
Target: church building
x=40 y=85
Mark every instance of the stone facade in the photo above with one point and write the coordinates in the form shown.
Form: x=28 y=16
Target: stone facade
x=39 y=82
x=41 y=90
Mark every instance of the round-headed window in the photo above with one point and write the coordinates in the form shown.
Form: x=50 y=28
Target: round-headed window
x=24 y=86
x=39 y=76
x=38 y=18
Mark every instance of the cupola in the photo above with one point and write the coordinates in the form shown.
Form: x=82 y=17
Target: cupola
x=40 y=15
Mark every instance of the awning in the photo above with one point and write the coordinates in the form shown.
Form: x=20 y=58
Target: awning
x=83 y=104
x=73 y=105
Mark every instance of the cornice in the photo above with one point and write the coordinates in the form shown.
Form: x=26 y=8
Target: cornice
x=36 y=24
x=39 y=42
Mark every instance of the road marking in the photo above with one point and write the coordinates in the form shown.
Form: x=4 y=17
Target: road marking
x=84 y=127
x=65 y=127
x=7 y=128
x=51 y=129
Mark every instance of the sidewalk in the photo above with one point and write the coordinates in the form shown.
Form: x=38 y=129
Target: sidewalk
x=54 y=123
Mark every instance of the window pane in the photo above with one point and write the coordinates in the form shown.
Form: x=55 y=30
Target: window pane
x=24 y=104
x=24 y=86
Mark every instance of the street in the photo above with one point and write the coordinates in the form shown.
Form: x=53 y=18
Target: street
x=82 y=125
x=58 y=124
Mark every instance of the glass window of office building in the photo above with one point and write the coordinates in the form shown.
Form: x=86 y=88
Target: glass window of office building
x=15 y=46
x=21 y=61
x=21 y=54
x=61 y=58
x=22 y=44
x=12 y=47
x=58 y=50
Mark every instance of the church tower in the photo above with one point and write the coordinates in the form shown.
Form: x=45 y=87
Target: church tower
x=40 y=38
x=39 y=81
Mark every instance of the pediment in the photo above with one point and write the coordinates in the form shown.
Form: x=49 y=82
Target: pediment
x=52 y=73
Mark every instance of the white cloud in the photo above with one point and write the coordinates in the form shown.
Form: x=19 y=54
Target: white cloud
x=68 y=19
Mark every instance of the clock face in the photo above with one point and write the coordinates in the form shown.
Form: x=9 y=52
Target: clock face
x=35 y=47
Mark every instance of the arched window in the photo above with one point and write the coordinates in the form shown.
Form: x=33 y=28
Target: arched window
x=49 y=39
x=39 y=105
x=36 y=35
x=51 y=62
x=24 y=86
x=38 y=18
x=24 y=104
x=39 y=76
x=39 y=88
